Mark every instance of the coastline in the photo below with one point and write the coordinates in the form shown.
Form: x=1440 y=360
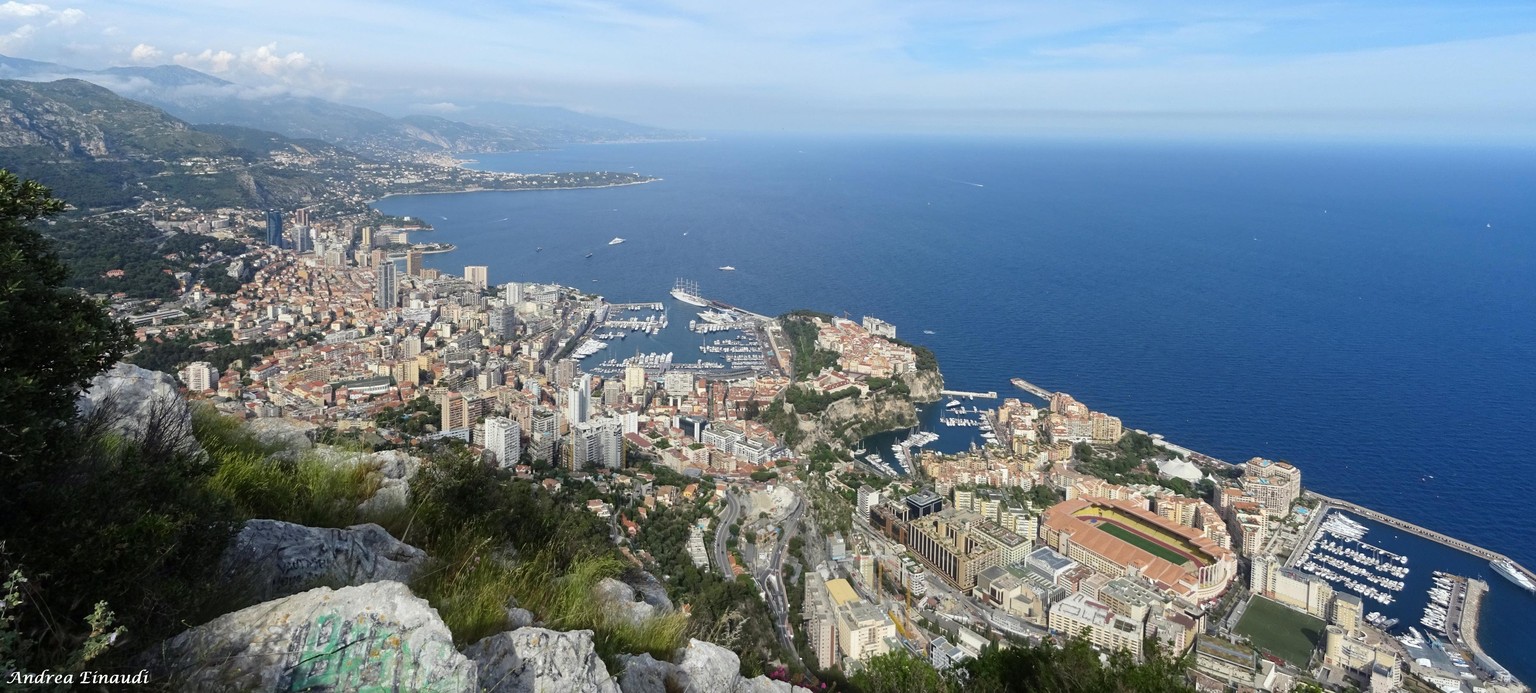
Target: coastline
x=476 y=189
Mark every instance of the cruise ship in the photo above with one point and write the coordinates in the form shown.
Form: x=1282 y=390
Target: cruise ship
x=688 y=292
x=1513 y=574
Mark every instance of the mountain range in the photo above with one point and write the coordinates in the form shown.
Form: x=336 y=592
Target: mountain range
x=197 y=97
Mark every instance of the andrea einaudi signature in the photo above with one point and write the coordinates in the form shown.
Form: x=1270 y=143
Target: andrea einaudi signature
x=81 y=678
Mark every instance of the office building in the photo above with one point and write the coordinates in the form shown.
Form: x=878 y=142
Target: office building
x=275 y=228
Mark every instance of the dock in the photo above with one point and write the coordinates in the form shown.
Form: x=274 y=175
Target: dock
x=637 y=306
x=1429 y=534
x=963 y=393
x=1032 y=388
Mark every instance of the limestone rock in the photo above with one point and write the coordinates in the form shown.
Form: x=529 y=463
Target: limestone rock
x=518 y=618
x=708 y=668
x=141 y=404
x=619 y=599
x=650 y=590
x=376 y=636
x=274 y=559
x=287 y=434
x=644 y=674
x=763 y=684
x=541 y=661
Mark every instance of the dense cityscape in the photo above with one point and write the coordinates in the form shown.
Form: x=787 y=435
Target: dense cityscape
x=1062 y=522
x=390 y=364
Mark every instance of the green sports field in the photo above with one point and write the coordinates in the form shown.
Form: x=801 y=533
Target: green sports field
x=1143 y=543
x=1284 y=632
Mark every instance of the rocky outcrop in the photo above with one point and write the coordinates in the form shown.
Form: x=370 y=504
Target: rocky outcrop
x=706 y=666
x=644 y=674
x=847 y=421
x=283 y=433
x=376 y=637
x=394 y=468
x=140 y=404
x=923 y=386
x=702 y=667
x=271 y=559
x=540 y=660
x=649 y=589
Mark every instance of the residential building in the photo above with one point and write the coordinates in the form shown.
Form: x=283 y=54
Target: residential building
x=201 y=376
x=476 y=275
x=503 y=438
x=387 y=291
x=1077 y=614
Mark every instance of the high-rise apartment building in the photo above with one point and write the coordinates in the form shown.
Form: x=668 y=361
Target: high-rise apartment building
x=455 y=412
x=504 y=439
x=386 y=294
x=413 y=262
x=599 y=442
x=201 y=376
x=476 y=274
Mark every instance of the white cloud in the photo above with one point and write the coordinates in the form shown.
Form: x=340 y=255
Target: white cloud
x=210 y=60
x=442 y=107
x=17 y=37
x=68 y=17
x=17 y=10
x=267 y=61
x=25 y=18
x=145 y=53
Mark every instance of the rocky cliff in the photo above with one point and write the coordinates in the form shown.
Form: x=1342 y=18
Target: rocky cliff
x=845 y=422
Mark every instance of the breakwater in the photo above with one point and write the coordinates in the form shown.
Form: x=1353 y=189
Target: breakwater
x=1424 y=532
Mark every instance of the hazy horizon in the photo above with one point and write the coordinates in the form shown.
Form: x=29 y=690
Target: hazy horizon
x=1422 y=71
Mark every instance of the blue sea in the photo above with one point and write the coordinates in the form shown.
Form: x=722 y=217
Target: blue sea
x=1366 y=312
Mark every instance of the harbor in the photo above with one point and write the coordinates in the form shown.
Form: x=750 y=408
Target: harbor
x=1448 y=605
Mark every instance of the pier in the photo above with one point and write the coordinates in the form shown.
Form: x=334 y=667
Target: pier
x=1429 y=534
x=1032 y=388
x=963 y=393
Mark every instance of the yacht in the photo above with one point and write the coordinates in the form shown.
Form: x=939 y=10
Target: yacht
x=616 y=240
x=727 y=268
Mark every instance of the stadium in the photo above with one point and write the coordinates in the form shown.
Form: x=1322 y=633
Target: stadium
x=1116 y=537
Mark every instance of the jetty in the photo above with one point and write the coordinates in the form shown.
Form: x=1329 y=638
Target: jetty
x=1426 y=533
x=963 y=393
x=1032 y=388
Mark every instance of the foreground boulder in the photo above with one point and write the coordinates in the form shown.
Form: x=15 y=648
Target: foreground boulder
x=142 y=405
x=702 y=667
x=540 y=660
x=271 y=559
x=372 y=637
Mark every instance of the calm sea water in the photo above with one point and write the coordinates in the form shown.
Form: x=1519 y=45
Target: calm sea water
x=1367 y=313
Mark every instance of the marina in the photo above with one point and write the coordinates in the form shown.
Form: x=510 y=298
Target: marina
x=1339 y=554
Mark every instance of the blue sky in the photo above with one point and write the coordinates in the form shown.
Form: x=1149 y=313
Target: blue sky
x=1377 y=69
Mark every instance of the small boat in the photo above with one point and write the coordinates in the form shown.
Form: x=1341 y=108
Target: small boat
x=927 y=331
x=616 y=240
x=589 y=254
x=539 y=249
x=727 y=268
